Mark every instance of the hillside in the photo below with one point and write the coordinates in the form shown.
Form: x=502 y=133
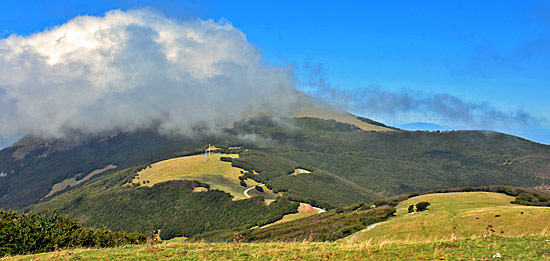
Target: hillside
x=172 y=206
x=216 y=173
x=324 y=163
x=459 y=215
x=32 y=177
x=38 y=163
x=396 y=162
x=424 y=235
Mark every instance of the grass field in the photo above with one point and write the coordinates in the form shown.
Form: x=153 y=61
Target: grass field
x=458 y=216
x=526 y=248
x=218 y=174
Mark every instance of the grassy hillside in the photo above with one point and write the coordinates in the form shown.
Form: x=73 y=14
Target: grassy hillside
x=218 y=174
x=524 y=248
x=171 y=206
x=458 y=216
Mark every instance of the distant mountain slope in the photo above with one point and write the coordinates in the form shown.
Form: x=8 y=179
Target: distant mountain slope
x=314 y=108
x=402 y=161
x=386 y=162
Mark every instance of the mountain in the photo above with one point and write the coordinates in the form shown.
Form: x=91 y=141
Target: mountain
x=322 y=156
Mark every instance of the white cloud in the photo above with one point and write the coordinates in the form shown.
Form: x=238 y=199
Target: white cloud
x=128 y=69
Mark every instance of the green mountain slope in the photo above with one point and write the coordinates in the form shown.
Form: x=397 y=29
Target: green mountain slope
x=348 y=163
x=401 y=161
x=170 y=206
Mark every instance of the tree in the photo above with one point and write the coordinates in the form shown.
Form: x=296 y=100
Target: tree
x=243 y=183
x=411 y=208
x=421 y=206
x=259 y=188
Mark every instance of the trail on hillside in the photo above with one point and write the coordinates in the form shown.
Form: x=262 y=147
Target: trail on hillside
x=245 y=192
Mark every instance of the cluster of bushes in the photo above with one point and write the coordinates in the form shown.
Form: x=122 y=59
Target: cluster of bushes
x=26 y=233
x=420 y=206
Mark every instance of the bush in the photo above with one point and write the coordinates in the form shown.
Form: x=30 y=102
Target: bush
x=226 y=159
x=381 y=202
x=421 y=206
x=411 y=208
x=28 y=233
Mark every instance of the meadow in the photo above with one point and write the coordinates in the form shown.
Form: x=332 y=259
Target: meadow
x=218 y=174
x=524 y=248
x=459 y=216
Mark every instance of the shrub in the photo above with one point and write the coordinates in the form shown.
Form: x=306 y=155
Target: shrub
x=421 y=206
x=243 y=183
x=26 y=233
x=381 y=202
x=226 y=159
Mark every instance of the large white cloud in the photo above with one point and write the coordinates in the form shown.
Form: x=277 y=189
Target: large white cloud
x=130 y=68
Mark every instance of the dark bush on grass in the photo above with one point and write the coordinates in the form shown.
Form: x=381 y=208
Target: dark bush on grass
x=422 y=206
x=226 y=159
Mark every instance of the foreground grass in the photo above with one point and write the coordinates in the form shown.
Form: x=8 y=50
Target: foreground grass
x=526 y=248
x=459 y=216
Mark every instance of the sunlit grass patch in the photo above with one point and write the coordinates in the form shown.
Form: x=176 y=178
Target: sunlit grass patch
x=457 y=216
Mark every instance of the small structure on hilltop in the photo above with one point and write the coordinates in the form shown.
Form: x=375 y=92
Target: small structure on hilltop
x=207 y=152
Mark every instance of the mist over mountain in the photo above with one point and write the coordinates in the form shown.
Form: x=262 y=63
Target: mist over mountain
x=133 y=69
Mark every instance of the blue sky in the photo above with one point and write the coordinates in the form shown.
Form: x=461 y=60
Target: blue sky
x=492 y=55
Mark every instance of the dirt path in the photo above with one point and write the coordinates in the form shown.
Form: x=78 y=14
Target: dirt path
x=245 y=192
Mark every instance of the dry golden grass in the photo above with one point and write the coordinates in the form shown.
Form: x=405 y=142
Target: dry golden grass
x=331 y=113
x=218 y=174
x=454 y=216
x=526 y=248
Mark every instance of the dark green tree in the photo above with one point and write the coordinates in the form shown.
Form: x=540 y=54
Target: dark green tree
x=259 y=188
x=421 y=206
